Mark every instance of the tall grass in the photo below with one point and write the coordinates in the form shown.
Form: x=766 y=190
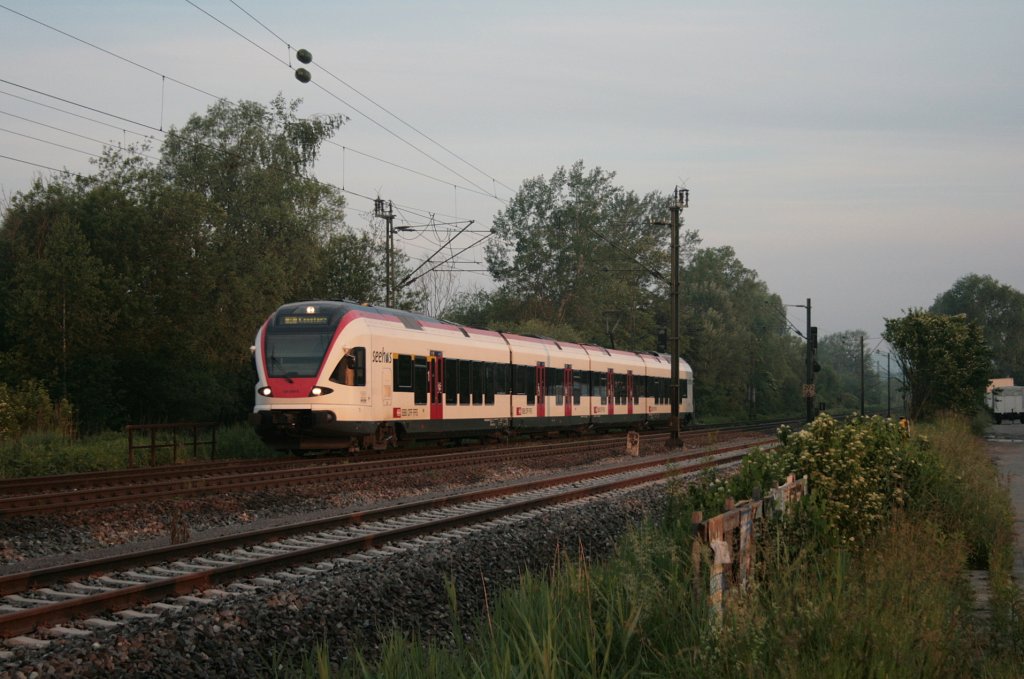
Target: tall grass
x=45 y=452
x=892 y=602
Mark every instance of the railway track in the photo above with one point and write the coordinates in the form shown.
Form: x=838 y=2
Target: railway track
x=139 y=584
x=21 y=497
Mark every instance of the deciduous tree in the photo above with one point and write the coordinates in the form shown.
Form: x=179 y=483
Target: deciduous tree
x=944 y=359
x=999 y=310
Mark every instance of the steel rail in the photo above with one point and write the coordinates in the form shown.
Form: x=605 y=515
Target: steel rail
x=26 y=620
x=70 y=500
x=74 y=492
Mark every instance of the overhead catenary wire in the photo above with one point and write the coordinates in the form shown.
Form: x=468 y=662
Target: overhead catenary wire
x=379 y=105
x=40 y=165
x=337 y=97
x=106 y=51
x=78 y=115
x=189 y=86
x=159 y=129
x=69 y=132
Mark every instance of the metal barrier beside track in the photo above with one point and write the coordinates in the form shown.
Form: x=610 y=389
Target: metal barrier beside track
x=175 y=445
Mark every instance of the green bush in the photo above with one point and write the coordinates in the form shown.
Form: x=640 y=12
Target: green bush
x=28 y=408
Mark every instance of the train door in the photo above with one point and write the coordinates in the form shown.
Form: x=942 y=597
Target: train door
x=435 y=378
x=541 y=389
x=629 y=392
x=611 y=391
x=567 y=389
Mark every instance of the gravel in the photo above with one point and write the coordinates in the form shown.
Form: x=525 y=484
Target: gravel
x=348 y=605
x=41 y=541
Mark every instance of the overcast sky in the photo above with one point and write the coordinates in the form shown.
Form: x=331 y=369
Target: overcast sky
x=863 y=154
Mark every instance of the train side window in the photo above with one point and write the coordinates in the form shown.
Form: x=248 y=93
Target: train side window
x=521 y=378
x=683 y=387
x=451 y=381
x=403 y=373
x=465 y=369
x=501 y=378
x=530 y=374
x=600 y=382
x=489 y=371
x=351 y=369
x=478 y=383
x=553 y=382
x=420 y=380
x=580 y=387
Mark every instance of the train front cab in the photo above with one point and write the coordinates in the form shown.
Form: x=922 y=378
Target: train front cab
x=313 y=387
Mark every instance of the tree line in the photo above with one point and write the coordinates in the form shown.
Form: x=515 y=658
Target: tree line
x=134 y=293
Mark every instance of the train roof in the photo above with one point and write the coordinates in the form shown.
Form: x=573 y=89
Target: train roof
x=335 y=310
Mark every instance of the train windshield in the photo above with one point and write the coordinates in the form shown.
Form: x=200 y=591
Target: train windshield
x=297 y=354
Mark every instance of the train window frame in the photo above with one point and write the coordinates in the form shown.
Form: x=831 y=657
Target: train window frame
x=489 y=371
x=403 y=371
x=478 y=383
x=580 y=386
x=599 y=385
x=465 y=381
x=351 y=369
x=451 y=381
x=553 y=381
x=419 y=380
x=501 y=378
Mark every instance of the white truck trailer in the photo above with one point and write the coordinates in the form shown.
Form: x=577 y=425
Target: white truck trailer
x=1007 y=403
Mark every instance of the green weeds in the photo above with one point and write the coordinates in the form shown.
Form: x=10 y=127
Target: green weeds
x=866 y=580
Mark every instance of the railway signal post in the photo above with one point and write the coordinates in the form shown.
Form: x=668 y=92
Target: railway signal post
x=682 y=200
x=389 y=247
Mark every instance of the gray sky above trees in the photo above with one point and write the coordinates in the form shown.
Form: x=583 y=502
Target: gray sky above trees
x=863 y=154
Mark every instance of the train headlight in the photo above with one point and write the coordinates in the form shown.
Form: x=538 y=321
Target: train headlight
x=265 y=391
x=320 y=391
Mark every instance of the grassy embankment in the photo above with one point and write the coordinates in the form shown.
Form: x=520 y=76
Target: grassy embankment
x=866 y=578
x=37 y=437
x=41 y=453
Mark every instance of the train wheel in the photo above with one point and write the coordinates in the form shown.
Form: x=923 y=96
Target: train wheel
x=385 y=437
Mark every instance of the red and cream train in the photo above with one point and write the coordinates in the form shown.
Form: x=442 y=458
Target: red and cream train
x=342 y=376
